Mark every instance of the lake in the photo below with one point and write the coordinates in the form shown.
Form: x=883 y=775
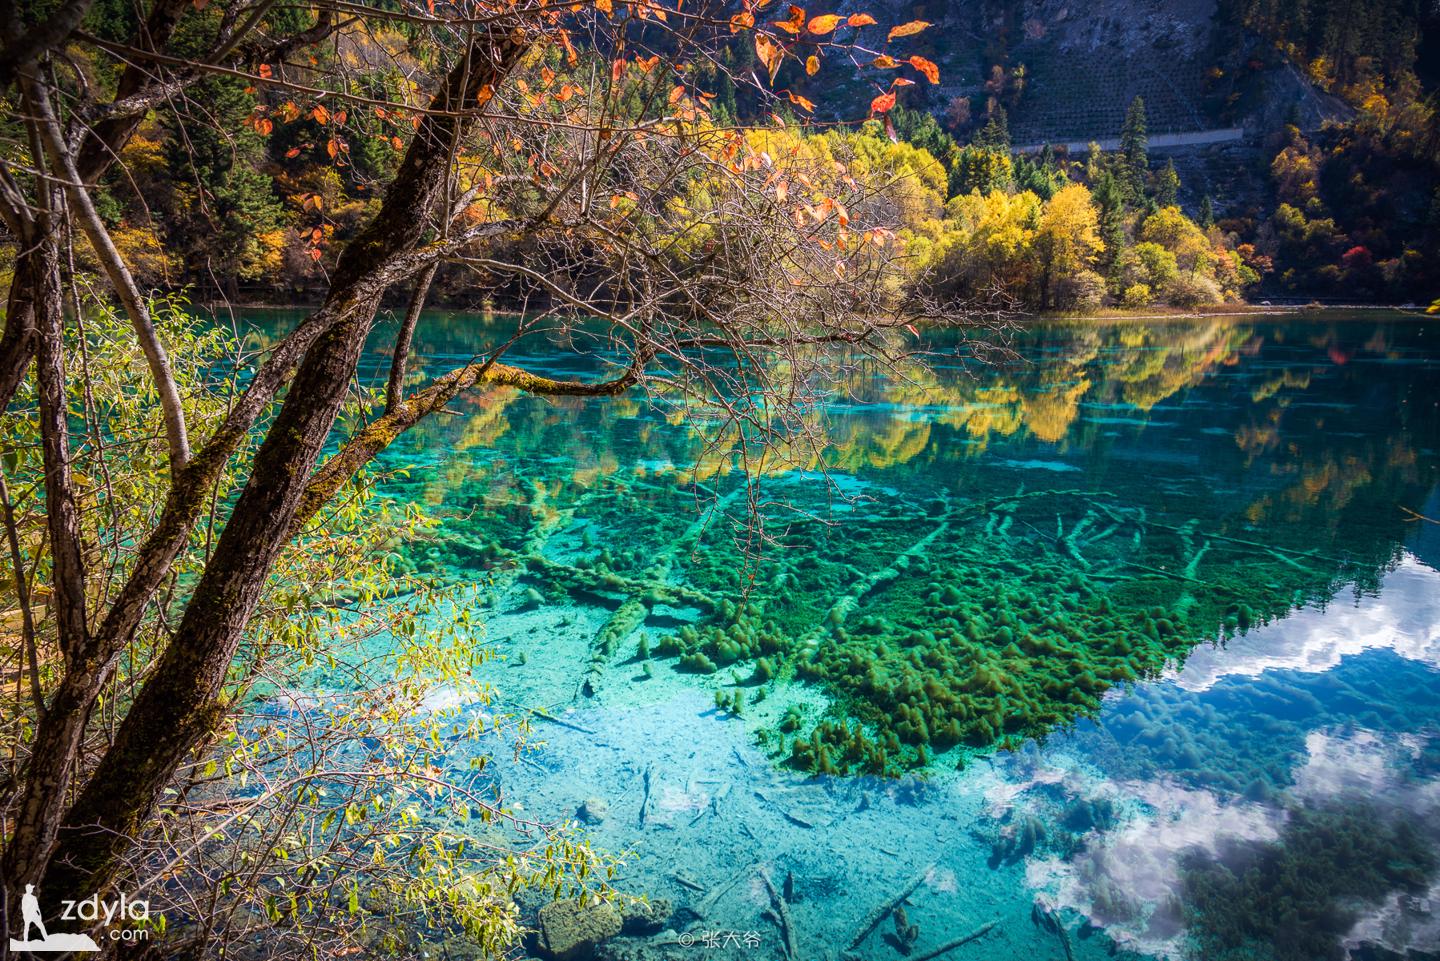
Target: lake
x=1130 y=643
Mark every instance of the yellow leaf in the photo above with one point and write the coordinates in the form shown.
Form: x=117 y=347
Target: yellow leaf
x=812 y=65
x=908 y=29
x=860 y=20
x=770 y=54
x=823 y=24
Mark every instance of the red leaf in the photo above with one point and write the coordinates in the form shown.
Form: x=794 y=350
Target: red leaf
x=882 y=103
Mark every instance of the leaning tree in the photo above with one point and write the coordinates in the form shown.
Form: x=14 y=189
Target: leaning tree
x=564 y=156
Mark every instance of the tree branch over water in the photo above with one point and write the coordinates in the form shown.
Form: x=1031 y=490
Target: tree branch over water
x=565 y=160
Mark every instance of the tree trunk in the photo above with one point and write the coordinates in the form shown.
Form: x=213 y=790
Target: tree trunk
x=181 y=703
x=395 y=389
x=53 y=757
x=17 y=346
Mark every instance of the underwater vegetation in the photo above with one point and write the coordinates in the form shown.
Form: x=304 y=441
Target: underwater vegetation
x=958 y=605
x=938 y=629
x=1295 y=898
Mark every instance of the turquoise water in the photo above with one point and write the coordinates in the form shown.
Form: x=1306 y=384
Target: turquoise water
x=1128 y=644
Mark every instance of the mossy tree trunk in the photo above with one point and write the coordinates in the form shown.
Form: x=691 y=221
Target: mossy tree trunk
x=81 y=849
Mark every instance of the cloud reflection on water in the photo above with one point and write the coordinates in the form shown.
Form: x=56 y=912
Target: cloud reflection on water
x=1405 y=618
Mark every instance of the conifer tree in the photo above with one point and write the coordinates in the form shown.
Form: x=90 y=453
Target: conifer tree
x=1110 y=203
x=1134 y=150
x=1167 y=186
x=995 y=135
x=1207 y=213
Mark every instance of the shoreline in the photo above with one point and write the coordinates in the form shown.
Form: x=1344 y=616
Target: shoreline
x=1106 y=315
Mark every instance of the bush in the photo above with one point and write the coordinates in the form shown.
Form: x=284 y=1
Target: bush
x=1193 y=290
x=1137 y=295
x=1081 y=290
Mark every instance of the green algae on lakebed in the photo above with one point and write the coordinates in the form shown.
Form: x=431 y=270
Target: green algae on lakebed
x=959 y=629
x=949 y=598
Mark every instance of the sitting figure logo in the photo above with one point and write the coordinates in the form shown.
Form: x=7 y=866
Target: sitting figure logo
x=91 y=910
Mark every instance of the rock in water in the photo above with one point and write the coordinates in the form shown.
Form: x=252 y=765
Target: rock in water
x=570 y=930
x=645 y=917
x=593 y=811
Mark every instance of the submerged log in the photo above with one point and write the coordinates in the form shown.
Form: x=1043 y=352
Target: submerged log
x=873 y=919
x=979 y=932
x=782 y=917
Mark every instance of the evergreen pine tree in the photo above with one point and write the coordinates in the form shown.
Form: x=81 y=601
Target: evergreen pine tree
x=1167 y=186
x=1135 y=151
x=1207 y=213
x=1110 y=203
x=995 y=135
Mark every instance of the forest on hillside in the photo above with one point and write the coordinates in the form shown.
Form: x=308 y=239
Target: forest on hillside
x=247 y=192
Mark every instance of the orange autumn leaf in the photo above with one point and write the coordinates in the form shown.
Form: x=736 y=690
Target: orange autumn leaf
x=606 y=7
x=927 y=67
x=885 y=62
x=908 y=29
x=742 y=21
x=802 y=102
x=617 y=70
x=676 y=94
x=860 y=20
x=902 y=82
x=812 y=65
x=265 y=70
x=793 y=24
x=823 y=24
x=321 y=115
x=769 y=52
x=292 y=153
x=263 y=126
x=882 y=103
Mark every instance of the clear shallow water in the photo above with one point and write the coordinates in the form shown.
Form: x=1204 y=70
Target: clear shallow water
x=1175 y=641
